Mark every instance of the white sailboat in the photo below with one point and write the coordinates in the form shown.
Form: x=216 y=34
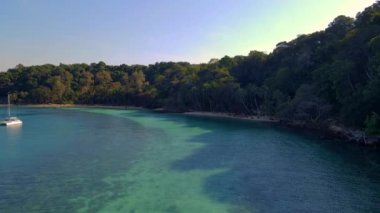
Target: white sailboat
x=10 y=121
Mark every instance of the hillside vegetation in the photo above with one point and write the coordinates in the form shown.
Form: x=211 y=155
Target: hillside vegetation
x=327 y=76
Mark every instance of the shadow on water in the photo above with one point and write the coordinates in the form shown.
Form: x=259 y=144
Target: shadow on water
x=264 y=167
x=273 y=169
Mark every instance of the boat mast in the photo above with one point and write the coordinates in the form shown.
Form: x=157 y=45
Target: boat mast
x=9 y=106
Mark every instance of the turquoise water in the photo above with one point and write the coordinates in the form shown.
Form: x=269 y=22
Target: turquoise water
x=108 y=160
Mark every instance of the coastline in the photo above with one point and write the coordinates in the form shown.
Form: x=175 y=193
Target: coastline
x=349 y=135
x=266 y=119
x=332 y=131
x=47 y=105
x=75 y=105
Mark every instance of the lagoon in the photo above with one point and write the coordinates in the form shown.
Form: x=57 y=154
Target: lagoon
x=115 y=160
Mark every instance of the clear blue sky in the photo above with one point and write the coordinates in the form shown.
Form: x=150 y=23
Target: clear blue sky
x=146 y=31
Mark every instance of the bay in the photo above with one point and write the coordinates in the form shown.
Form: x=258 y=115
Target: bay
x=114 y=160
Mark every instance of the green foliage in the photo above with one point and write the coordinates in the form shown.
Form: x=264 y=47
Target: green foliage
x=331 y=74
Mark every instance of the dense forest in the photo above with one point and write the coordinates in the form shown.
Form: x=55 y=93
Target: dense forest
x=327 y=76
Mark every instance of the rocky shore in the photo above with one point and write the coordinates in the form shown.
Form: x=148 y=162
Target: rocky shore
x=342 y=132
x=328 y=130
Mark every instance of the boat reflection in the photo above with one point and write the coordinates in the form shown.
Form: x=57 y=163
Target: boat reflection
x=14 y=131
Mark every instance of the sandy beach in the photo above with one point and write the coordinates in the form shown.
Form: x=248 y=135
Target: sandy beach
x=234 y=116
x=75 y=105
x=194 y=113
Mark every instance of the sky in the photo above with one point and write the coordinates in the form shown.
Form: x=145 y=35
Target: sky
x=36 y=32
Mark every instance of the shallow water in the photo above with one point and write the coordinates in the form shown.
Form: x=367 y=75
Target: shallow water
x=109 y=160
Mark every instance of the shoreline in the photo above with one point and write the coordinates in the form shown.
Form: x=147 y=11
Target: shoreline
x=346 y=134
x=332 y=131
x=265 y=119
x=74 y=105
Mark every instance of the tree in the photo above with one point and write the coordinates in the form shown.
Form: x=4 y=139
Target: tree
x=330 y=74
x=308 y=106
x=340 y=26
x=85 y=87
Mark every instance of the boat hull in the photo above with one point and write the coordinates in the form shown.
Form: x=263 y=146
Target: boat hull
x=11 y=123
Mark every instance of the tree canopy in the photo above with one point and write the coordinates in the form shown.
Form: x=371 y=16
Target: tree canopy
x=332 y=74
